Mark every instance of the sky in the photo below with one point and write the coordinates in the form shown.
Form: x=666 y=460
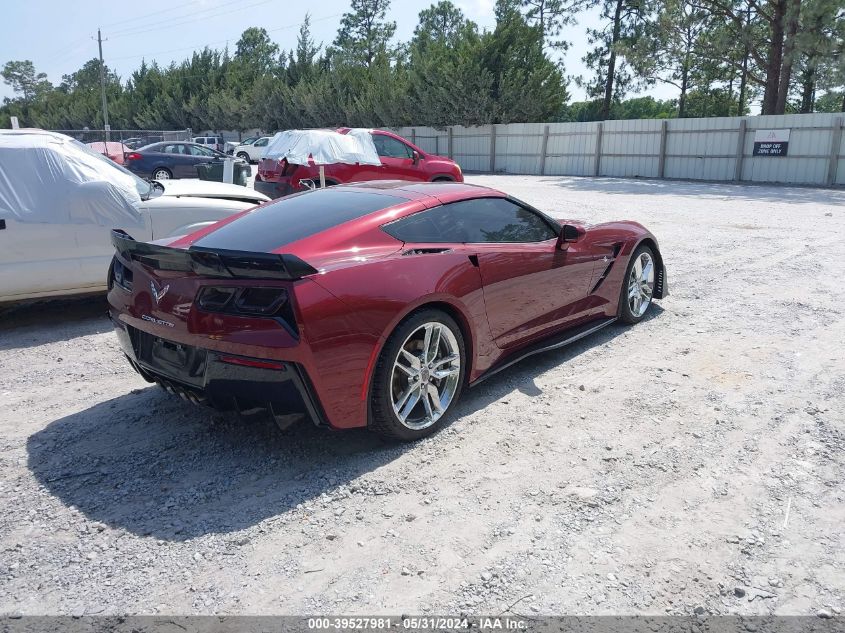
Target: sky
x=59 y=41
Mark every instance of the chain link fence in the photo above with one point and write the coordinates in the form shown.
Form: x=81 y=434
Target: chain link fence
x=133 y=139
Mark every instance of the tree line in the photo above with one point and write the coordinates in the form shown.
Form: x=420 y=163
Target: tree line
x=720 y=55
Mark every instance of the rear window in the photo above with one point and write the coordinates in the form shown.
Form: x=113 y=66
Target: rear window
x=296 y=217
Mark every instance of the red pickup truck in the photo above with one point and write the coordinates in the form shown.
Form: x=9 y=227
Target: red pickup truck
x=400 y=160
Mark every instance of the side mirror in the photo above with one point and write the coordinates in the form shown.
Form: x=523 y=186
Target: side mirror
x=416 y=156
x=570 y=233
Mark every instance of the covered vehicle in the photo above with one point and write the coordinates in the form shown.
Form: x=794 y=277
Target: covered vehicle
x=110 y=149
x=59 y=200
x=170 y=159
x=372 y=304
x=293 y=158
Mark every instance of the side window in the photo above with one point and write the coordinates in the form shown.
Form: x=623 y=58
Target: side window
x=389 y=147
x=482 y=220
x=261 y=142
x=171 y=149
x=200 y=151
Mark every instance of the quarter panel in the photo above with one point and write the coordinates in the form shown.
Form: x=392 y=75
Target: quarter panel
x=380 y=294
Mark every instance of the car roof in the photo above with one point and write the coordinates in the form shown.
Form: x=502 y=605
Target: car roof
x=366 y=204
x=420 y=190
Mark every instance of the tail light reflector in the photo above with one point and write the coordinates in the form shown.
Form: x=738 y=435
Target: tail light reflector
x=253 y=362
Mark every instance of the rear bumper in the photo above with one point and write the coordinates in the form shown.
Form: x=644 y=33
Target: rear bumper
x=274 y=189
x=224 y=381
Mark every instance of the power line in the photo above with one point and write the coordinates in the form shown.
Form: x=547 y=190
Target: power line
x=73 y=44
x=209 y=44
x=169 y=23
x=149 y=15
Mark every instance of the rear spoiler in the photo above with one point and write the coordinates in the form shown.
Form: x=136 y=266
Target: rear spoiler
x=211 y=262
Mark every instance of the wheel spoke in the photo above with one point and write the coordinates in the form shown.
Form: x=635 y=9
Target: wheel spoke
x=414 y=361
x=429 y=414
x=647 y=271
x=633 y=291
x=637 y=272
x=431 y=343
x=646 y=291
x=408 y=371
x=411 y=401
x=434 y=395
x=446 y=359
x=402 y=399
x=445 y=373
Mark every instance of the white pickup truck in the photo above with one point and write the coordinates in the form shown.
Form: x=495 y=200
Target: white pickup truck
x=59 y=201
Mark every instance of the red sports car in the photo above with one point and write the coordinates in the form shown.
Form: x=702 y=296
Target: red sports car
x=371 y=304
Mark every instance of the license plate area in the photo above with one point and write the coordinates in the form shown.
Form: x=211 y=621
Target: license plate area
x=175 y=360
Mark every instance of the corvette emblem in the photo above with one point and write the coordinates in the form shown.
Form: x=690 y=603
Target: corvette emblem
x=158 y=294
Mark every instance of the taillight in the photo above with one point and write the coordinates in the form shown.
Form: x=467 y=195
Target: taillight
x=132 y=156
x=121 y=275
x=252 y=301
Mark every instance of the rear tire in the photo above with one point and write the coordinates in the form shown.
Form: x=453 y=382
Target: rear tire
x=162 y=174
x=419 y=376
x=637 y=291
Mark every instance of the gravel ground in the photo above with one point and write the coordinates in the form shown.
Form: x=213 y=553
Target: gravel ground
x=693 y=463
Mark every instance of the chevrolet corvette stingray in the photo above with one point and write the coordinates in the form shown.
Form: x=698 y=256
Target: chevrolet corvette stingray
x=371 y=304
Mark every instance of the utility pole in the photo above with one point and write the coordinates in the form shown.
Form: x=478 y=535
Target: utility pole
x=103 y=86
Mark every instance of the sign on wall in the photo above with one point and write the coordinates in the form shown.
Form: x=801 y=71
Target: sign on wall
x=771 y=142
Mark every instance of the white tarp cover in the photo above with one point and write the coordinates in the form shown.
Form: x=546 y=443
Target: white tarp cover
x=325 y=147
x=51 y=178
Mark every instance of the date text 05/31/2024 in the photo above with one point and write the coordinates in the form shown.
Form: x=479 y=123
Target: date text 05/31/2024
x=421 y=623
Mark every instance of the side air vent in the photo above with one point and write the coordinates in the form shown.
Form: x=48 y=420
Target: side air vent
x=426 y=251
x=616 y=248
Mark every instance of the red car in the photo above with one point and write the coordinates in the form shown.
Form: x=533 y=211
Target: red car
x=111 y=149
x=400 y=159
x=372 y=304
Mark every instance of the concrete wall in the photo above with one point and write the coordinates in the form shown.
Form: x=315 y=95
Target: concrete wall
x=695 y=149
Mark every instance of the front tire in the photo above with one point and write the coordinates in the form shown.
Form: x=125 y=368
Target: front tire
x=243 y=156
x=637 y=286
x=419 y=376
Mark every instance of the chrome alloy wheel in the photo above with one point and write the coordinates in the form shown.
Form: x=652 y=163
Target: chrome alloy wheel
x=641 y=284
x=161 y=174
x=425 y=375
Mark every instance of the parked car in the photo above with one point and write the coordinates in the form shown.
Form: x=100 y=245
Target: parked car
x=400 y=159
x=140 y=141
x=213 y=142
x=251 y=149
x=372 y=304
x=170 y=159
x=59 y=199
x=110 y=149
